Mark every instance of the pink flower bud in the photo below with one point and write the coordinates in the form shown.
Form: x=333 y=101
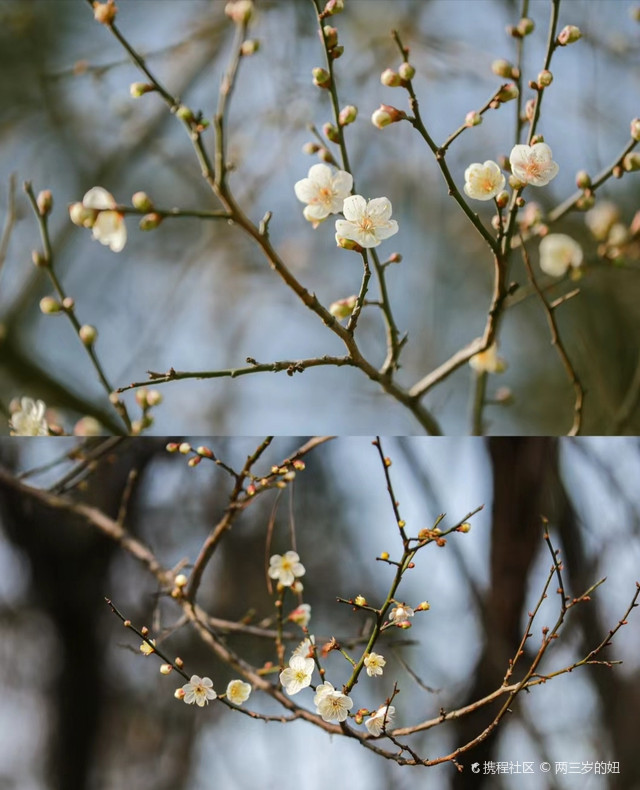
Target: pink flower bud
x=568 y=35
x=321 y=77
x=385 y=115
x=502 y=68
x=473 y=118
x=507 y=92
x=347 y=115
x=150 y=221
x=331 y=133
x=330 y=36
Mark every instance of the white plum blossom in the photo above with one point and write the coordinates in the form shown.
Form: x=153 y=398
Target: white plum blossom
x=488 y=361
x=401 y=613
x=238 y=691
x=108 y=227
x=285 y=568
x=366 y=223
x=297 y=675
x=558 y=252
x=301 y=615
x=332 y=705
x=483 y=182
x=533 y=164
x=323 y=191
x=147 y=648
x=374 y=663
x=381 y=718
x=29 y=419
x=198 y=690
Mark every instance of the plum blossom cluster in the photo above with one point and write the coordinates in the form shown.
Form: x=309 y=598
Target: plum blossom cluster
x=530 y=164
x=365 y=223
x=200 y=691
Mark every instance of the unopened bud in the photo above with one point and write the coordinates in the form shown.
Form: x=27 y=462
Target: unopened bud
x=87 y=426
x=384 y=555
x=150 y=221
x=185 y=114
x=507 y=92
x=568 y=35
x=406 y=71
x=81 y=216
x=137 y=89
x=585 y=202
x=336 y=52
x=348 y=244
x=310 y=148
x=331 y=132
x=525 y=26
x=583 y=179
x=347 y=115
x=44 y=202
x=184 y=448
x=49 y=305
x=172 y=447
x=330 y=36
x=473 y=118
x=249 y=47
x=321 y=77
x=38 y=258
x=141 y=201
x=88 y=334
x=239 y=11
x=631 y=162
x=343 y=307
x=502 y=68
x=390 y=78
x=333 y=7
x=154 y=398
x=386 y=115
x=105 y=13
x=529 y=109
x=194 y=461
x=545 y=78
x=465 y=527
x=165 y=669
x=635 y=129
x=502 y=199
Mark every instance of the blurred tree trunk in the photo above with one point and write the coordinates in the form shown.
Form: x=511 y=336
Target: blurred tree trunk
x=521 y=470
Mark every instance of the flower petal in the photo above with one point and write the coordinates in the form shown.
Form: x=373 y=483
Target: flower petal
x=99 y=198
x=353 y=208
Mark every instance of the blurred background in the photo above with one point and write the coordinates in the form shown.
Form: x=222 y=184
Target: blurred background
x=83 y=709
x=196 y=295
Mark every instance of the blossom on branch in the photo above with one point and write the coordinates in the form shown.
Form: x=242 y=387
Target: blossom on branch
x=29 y=419
x=374 y=663
x=301 y=615
x=366 y=223
x=238 y=691
x=97 y=212
x=147 y=648
x=332 y=705
x=198 y=690
x=400 y=614
x=488 y=361
x=483 y=182
x=533 y=164
x=558 y=252
x=323 y=191
x=285 y=568
x=380 y=719
x=297 y=675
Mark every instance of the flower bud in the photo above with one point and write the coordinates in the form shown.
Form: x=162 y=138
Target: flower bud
x=515 y=183
x=39 y=258
x=473 y=118
x=502 y=68
x=568 y=35
x=507 y=92
x=154 y=398
x=384 y=555
x=631 y=162
x=360 y=600
x=87 y=426
x=150 y=221
x=88 y=334
x=502 y=199
x=545 y=78
x=310 y=148
x=239 y=11
x=583 y=179
x=330 y=132
x=81 y=216
x=194 y=461
x=184 y=448
x=336 y=52
x=142 y=201
x=348 y=244
x=137 y=89
x=44 y=202
x=179 y=693
x=141 y=398
x=185 y=114
x=343 y=308
x=386 y=115
x=525 y=26
x=635 y=129
x=406 y=71
x=249 y=47
x=585 y=202
x=172 y=447
x=105 y=13
x=68 y=303
x=330 y=36
x=165 y=669
x=347 y=115
x=333 y=7
x=325 y=155
x=321 y=77
x=390 y=78
x=49 y=305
